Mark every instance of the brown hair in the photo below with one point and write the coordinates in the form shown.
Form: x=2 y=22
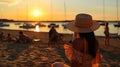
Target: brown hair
x=92 y=42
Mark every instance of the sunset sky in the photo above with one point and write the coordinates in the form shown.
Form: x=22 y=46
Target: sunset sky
x=45 y=10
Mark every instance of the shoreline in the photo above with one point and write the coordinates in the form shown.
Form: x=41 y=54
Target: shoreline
x=47 y=54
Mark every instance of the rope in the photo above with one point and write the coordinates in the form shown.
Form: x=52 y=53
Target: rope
x=117 y=14
x=103 y=10
x=51 y=10
x=65 y=9
x=117 y=10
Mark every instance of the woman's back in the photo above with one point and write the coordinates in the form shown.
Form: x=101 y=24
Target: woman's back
x=79 y=45
x=81 y=57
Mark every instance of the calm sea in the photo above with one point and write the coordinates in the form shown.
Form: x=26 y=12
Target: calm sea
x=61 y=29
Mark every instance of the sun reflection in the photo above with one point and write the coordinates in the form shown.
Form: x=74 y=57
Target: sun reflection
x=37 y=28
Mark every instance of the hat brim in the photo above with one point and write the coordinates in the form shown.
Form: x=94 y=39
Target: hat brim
x=71 y=26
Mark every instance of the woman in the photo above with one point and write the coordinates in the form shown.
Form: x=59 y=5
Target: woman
x=53 y=36
x=106 y=32
x=84 y=49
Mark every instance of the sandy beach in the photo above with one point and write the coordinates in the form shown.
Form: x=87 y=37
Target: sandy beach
x=39 y=54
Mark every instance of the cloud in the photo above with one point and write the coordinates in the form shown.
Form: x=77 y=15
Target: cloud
x=9 y=2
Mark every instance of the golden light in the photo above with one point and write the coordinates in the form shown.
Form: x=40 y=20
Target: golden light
x=37 y=29
x=36 y=13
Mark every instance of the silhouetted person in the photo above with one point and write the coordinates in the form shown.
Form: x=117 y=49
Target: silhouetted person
x=23 y=38
x=9 y=38
x=106 y=32
x=53 y=36
x=2 y=36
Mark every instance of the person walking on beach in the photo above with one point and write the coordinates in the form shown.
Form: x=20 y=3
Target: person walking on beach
x=106 y=32
x=84 y=49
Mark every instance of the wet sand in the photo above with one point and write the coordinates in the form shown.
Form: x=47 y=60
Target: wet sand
x=39 y=54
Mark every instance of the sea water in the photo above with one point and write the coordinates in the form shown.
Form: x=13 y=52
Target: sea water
x=60 y=29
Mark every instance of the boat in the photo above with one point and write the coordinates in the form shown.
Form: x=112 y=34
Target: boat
x=64 y=25
x=27 y=25
x=53 y=24
x=117 y=24
x=2 y=24
x=40 y=25
x=17 y=23
x=114 y=35
x=102 y=23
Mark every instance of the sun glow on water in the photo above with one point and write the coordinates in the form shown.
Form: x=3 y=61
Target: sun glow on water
x=37 y=28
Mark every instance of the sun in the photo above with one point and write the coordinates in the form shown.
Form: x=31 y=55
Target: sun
x=36 y=13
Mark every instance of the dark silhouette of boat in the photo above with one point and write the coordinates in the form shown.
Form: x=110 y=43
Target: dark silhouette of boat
x=53 y=24
x=17 y=23
x=64 y=25
x=27 y=25
x=2 y=24
x=117 y=25
x=40 y=24
x=101 y=23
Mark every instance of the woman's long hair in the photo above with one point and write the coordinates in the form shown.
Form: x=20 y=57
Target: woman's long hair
x=92 y=42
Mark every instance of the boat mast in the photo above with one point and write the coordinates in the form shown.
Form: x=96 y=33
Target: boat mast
x=117 y=10
x=51 y=4
x=27 y=10
x=65 y=10
x=1 y=15
x=103 y=10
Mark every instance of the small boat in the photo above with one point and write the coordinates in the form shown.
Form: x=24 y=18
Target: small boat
x=17 y=23
x=40 y=24
x=114 y=35
x=2 y=24
x=27 y=25
x=117 y=25
x=64 y=25
x=102 y=23
x=53 y=24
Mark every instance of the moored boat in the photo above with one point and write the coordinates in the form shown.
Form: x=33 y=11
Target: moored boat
x=40 y=24
x=2 y=24
x=117 y=24
x=27 y=25
x=53 y=24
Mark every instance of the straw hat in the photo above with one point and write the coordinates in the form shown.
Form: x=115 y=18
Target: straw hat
x=83 y=23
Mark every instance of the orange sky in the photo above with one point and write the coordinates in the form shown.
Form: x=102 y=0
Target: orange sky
x=58 y=9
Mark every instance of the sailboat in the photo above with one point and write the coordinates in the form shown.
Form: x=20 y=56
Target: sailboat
x=117 y=24
x=2 y=24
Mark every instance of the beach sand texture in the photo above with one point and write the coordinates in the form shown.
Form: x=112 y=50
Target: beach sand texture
x=39 y=54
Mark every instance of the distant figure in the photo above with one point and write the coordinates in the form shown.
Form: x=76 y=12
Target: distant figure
x=60 y=38
x=53 y=36
x=106 y=32
x=2 y=36
x=23 y=38
x=83 y=51
x=9 y=38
